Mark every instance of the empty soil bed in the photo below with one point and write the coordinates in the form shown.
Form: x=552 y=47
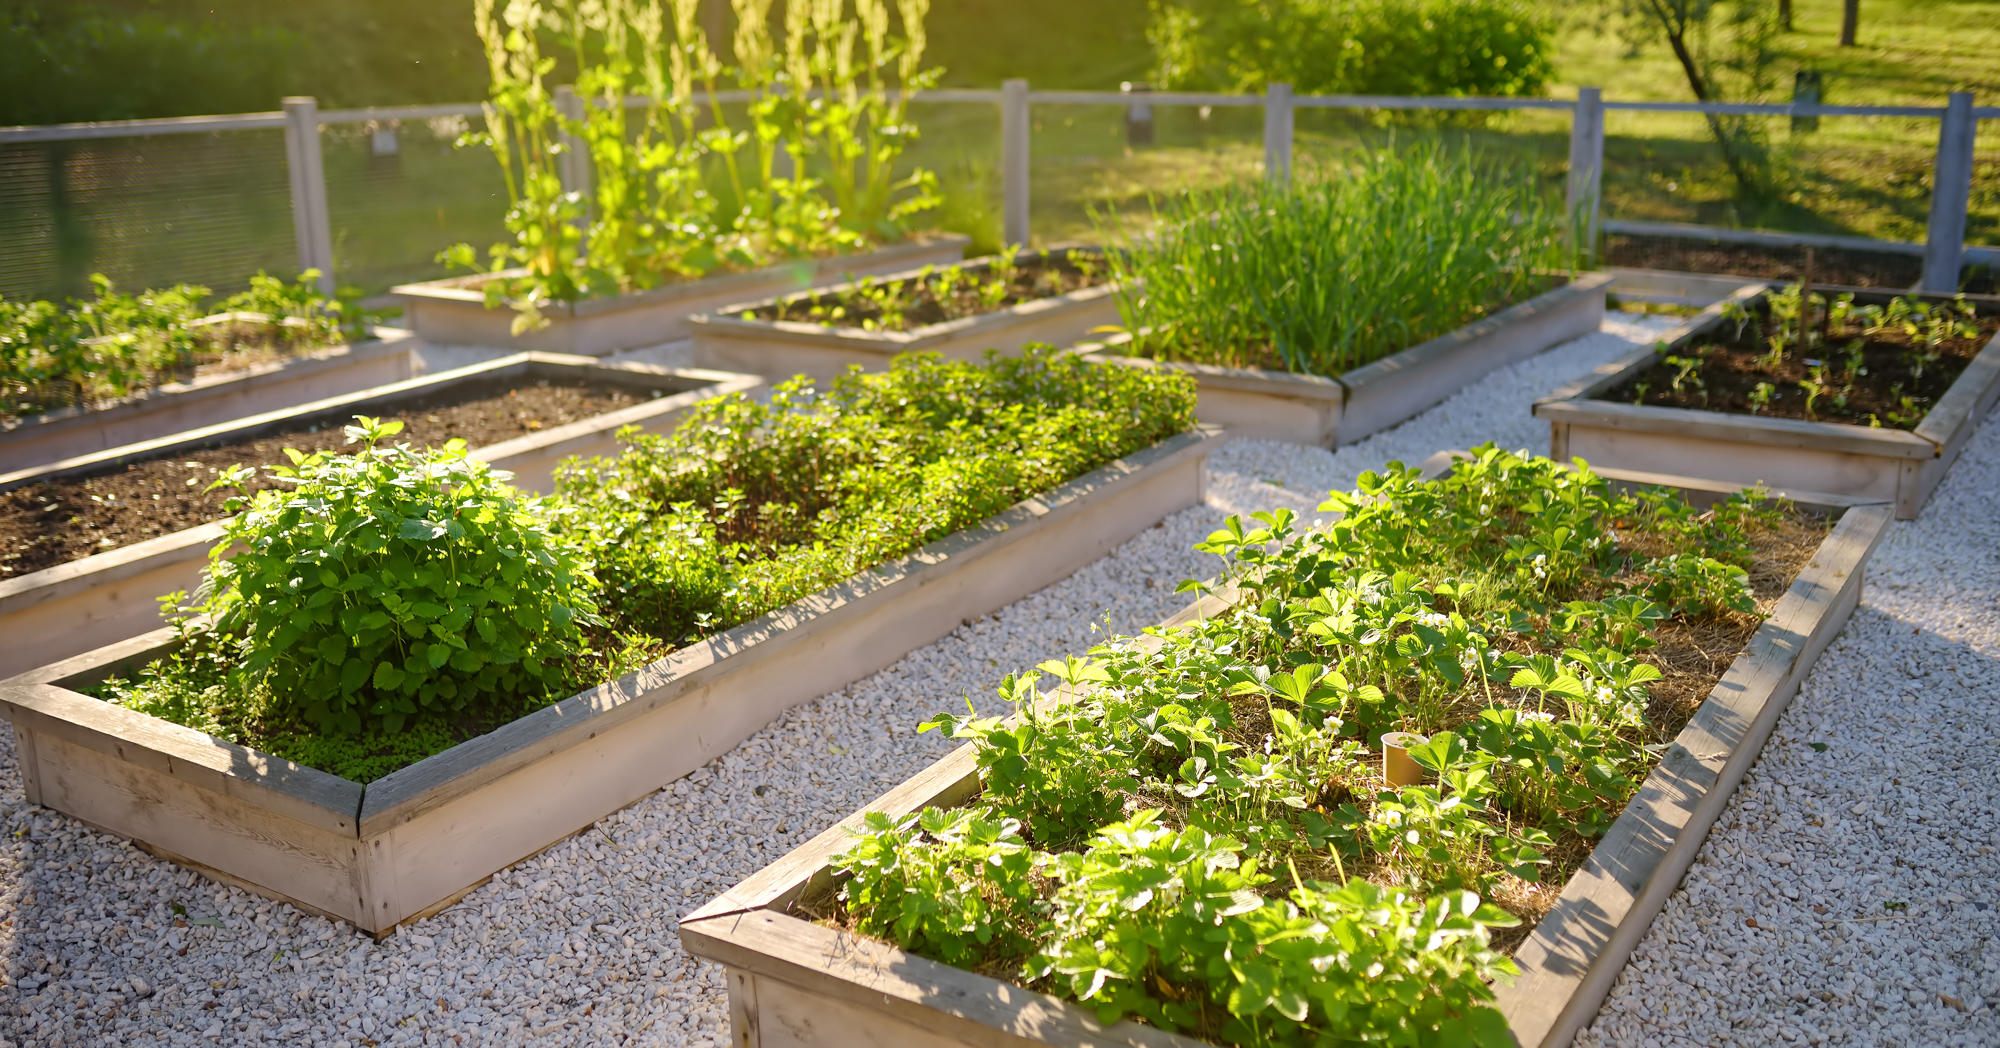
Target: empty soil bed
x=55 y=522
x=1884 y=390
x=1830 y=265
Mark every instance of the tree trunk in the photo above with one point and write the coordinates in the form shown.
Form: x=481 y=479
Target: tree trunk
x=1850 y=21
x=1700 y=88
x=1785 y=15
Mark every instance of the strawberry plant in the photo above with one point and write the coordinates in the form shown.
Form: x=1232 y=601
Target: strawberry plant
x=1199 y=835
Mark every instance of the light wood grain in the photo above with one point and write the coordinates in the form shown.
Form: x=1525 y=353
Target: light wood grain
x=1740 y=429
x=245 y=839
x=453 y=312
x=955 y=1006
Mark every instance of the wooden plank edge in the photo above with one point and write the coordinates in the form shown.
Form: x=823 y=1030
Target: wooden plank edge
x=1862 y=530
x=285 y=788
x=833 y=336
x=84 y=573
x=249 y=425
x=1398 y=366
x=976 y=1010
x=1960 y=410
x=1744 y=429
x=178 y=394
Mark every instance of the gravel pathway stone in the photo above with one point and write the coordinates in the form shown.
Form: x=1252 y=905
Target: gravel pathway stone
x=102 y=944
x=1850 y=895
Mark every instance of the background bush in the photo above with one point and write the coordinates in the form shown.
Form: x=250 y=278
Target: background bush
x=1385 y=47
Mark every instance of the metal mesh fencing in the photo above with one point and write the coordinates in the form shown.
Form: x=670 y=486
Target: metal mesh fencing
x=208 y=209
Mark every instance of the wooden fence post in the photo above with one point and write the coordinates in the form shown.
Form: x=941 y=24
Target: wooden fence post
x=1278 y=128
x=1586 y=170
x=310 y=224
x=1951 y=190
x=574 y=167
x=1014 y=139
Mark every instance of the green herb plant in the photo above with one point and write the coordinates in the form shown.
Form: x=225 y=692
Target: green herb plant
x=390 y=603
x=675 y=189
x=748 y=506
x=90 y=353
x=1190 y=828
x=1376 y=253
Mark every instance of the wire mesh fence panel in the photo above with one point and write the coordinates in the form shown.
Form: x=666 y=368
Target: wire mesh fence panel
x=1853 y=176
x=1102 y=159
x=210 y=209
x=398 y=193
x=1842 y=175
x=960 y=143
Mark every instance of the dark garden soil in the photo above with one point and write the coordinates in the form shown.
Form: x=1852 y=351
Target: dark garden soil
x=47 y=524
x=1830 y=265
x=1873 y=394
x=947 y=294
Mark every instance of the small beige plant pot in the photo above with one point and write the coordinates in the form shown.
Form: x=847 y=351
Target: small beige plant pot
x=1397 y=765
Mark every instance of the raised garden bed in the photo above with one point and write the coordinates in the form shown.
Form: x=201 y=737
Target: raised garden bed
x=1331 y=412
x=455 y=311
x=1857 y=437
x=799 y=973
x=91 y=541
x=210 y=398
x=1000 y=303
x=406 y=834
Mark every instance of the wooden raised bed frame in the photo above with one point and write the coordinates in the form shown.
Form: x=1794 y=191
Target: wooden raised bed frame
x=416 y=840
x=210 y=399
x=88 y=603
x=1892 y=465
x=453 y=312
x=796 y=983
x=1332 y=412
x=783 y=348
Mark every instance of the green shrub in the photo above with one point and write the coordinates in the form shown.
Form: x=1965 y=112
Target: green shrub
x=748 y=506
x=1372 y=47
x=393 y=583
x=1375 y=254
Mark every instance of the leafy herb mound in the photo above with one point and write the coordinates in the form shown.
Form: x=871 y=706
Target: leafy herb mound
x=1194 y=830
x=397 y=602
x=749 y=506
x=392 y=582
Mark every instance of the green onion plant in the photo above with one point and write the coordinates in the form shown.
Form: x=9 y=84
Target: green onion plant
x=1369 y=255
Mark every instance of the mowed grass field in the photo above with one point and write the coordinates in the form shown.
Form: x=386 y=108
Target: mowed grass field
x=1866 y=176
x=1859 y=176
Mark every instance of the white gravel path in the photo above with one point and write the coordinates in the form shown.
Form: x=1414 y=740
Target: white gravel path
x=578 y=946
x=1865 y=842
